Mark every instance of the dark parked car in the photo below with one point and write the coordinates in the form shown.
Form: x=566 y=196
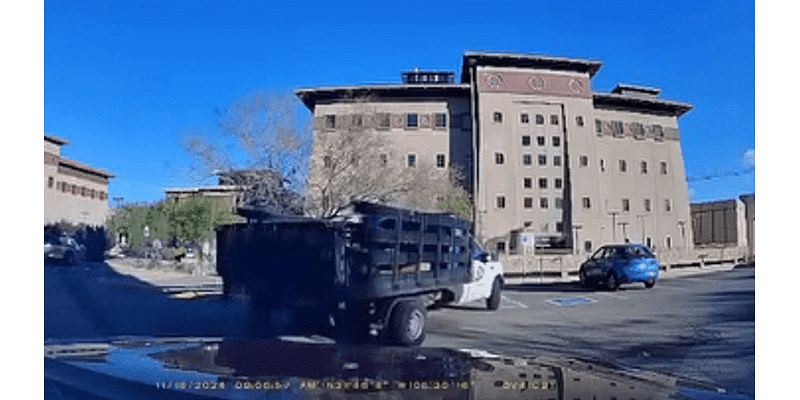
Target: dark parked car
x=613 y=265
x=62 y=249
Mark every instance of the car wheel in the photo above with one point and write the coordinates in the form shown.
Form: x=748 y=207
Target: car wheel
x=612 y=283
x=649 y=284
x=408 y=323
x=493 y=302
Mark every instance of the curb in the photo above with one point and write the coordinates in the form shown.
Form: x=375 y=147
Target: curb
x=672 y=273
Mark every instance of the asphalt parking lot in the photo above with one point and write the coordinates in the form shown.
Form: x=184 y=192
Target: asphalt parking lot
x=700 y=327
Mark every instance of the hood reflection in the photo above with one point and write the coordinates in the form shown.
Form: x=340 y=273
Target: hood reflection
x=248 y=368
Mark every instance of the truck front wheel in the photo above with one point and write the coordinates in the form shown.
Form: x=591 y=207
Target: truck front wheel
x=493 y=302
x=408 y=323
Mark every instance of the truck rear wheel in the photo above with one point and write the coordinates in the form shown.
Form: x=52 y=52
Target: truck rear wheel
x=493 y=302
x=408 y=323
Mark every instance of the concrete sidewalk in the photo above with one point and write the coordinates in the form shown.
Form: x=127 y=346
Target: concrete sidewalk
x=672 y=273
x=164 y=278
x=175 y=281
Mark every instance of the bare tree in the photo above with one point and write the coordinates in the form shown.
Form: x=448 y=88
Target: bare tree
x=266 y=153
x=357 y=163
x=272 y=162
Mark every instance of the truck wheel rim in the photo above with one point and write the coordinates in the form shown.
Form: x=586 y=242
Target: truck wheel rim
x=416 y=323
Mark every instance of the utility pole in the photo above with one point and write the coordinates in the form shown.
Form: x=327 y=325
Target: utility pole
x=624 y=231
x=614 y=224
x=642 y=217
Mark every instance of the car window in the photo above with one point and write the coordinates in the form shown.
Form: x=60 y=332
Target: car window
x=639 y=252
x=600 y=253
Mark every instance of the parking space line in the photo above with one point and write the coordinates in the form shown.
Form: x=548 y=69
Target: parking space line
x=515 y=303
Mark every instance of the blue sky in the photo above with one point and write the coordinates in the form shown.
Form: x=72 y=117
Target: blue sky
x=124 y=81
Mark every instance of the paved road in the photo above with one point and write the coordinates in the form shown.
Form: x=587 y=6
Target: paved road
x=696 y=326
x=700 y=326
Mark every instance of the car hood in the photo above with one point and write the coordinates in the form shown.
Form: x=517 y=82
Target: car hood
x=317 y=368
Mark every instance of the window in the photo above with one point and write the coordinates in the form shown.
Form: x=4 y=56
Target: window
x=667 y=205
x=50 y=181
x=602 y=165
x=626 y=205
x=557 y=161
x=647 y=205
x=501 y=202
x=527 y=183
x=617 y=129
x=499 y=158
x=357 y=120
x=663 y=168
x=501 y=247
x=542 y=183
x=412 y=120
x=559 y=227
x=523 y=118
x=527 y=202
x=539 y=119
x=411 y=160
x=643 y=167
x=587 y=204
x=623 y=166
x=540 y=140
x=526 y=140
x=440 y=161
x=579 y=120
x=440 y=120
x=329 y=122
x=553 y=119
x=556 y=140
x=559 y=203
x=598 y=126
x=558 y=183
x=497 y=117
x=542 y=160
x=658 y=132
x=587 y=246
x=543 y=203
x=526 y=159
x=384 y=121
x=327 y=162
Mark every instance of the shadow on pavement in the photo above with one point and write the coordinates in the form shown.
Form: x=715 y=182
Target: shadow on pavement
x=91 y=300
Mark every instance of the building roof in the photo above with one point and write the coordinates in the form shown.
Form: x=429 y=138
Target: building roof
x=65 y=162
x=312 y=96
x=216 y=188
x=56 y=140
x=520 y=60
x=647 y=104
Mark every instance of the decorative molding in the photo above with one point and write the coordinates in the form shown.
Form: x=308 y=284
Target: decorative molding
x=534 y=83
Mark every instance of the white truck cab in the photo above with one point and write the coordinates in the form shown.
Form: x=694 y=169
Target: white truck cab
x=486 y=283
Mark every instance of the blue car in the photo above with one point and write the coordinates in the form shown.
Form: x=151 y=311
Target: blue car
x=613 y=265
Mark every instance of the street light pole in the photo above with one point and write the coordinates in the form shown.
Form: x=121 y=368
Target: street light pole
x=614 y=224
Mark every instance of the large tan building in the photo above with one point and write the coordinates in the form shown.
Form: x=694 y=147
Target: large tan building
x=73 y=192
x=546 y=157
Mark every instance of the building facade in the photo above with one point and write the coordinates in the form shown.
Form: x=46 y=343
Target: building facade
x=543 y=154
x=73 y=192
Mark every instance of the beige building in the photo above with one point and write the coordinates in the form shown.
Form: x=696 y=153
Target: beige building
x=73 y=192
x=545 y=155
